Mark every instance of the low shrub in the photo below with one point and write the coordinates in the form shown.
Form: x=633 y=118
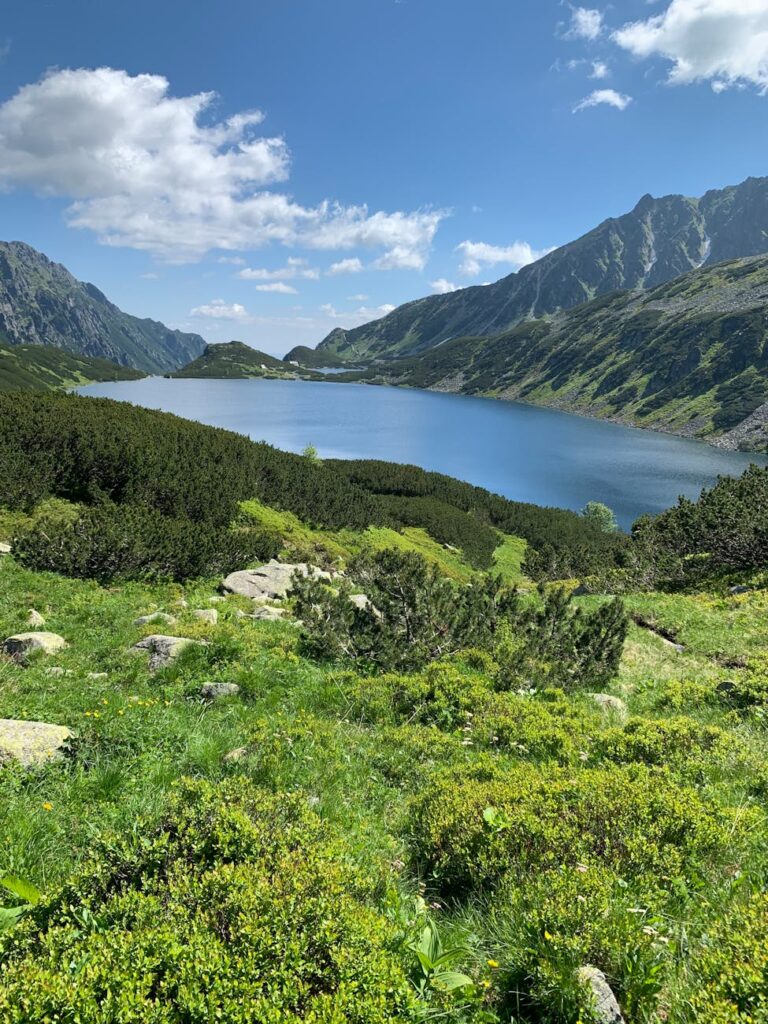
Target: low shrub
x=415 y=614
x=729 y=969
x=682 y=744
x=238 y=908
x=107 y=542
x=471 y=827
x=528 y=727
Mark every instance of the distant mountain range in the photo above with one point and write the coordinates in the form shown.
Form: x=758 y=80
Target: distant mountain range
x=654 y=243
x=41 y=303
x=690 y=357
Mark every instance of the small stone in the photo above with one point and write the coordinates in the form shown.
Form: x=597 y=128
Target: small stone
x=613 y=705
x=97 y=675
x=581 y=591
x=164 y=617
x=5 y=549
x=56 y=670
x=163 y=649
x=21 y=645
x=32 y=743
x=240 y=614
x=34 y=618
x=206 y=615
x=211 y=691
x=605 y=1008
x=266 y=613
x=237 y=754
x=739 y=590
x=216 y=599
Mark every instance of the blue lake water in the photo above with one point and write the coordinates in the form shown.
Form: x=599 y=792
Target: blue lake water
x=525 y=453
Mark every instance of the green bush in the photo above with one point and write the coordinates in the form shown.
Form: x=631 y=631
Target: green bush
x=531 y=728
x=682 y=744
x=239 y=908
x=729 y=969
x=555 y=643
x=107 y=542
x=415 y=614
x=471 y=827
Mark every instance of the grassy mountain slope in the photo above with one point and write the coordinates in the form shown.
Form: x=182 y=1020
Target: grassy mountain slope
x=236 y=360
x=690 y=357
x=654 y=243
x=42 y=368
x=41 y=303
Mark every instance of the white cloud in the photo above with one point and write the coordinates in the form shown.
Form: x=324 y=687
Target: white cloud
x=293 y=268
x=401 y=257
x=280 y=287
x=217 y=309
x=476 y=255
x=153 y=172
x=349 y=266
x=442 y=287
x=586 y=23
x=355 y=317
x=724 y=42
x=603 y=97
x=599 y=70
x=235 y=261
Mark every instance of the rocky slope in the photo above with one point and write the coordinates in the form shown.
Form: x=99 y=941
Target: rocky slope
x=654 y=243
x=690 y=357
x=41 y=303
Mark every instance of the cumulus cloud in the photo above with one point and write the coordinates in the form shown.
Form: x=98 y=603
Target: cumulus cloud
x=724 y=42
x=442 y=286
x=599 y=69
x=603 y=97
x=218 y=309
x=349 y=266
x=355 y=317
x=477 y=255
x=293 y=268
x=279 y=287
x=153 y=172
x=586 y=23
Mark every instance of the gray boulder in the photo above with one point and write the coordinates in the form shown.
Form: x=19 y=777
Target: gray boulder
x=206 y=615
x=213 y=690
x=739 y=590
x=32 y=743
x=34 y=618
x=272 y=580
x=163 y=649
x=21 y=645
x=164 y=617
x=266 y=613
x=605 y=1008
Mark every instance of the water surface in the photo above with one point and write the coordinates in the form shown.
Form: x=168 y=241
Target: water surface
x=525 y=453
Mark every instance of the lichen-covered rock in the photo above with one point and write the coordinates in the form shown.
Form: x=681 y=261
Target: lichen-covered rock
x=266 y=613
x=34 y=618
x=21 y=645
x=272 y=580
x=32 y=743
x=163 y=649
x=211 y=691
x=605 y=1008
x=237 y=754
x=206 y=615
x=164 y=617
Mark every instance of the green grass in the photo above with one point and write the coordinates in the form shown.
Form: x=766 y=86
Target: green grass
x=138 y=733
x=304 y=542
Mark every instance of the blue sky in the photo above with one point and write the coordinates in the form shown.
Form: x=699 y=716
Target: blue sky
x=401 y=146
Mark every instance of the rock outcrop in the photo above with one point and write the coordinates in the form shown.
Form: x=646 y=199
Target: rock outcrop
x=21 y=645
x=32 y=743
x=271 y=581
x=163 y=649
